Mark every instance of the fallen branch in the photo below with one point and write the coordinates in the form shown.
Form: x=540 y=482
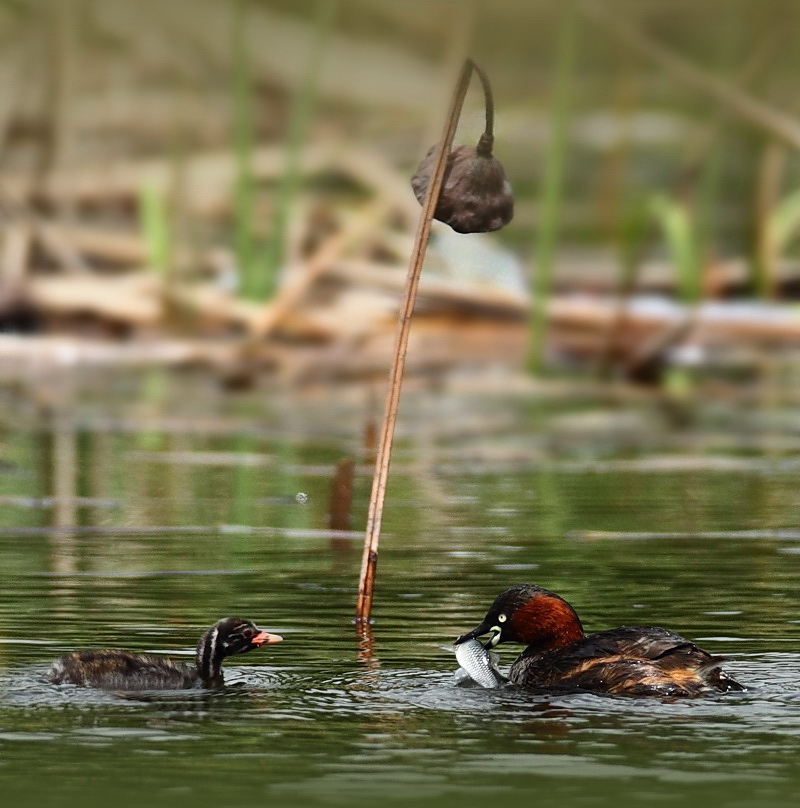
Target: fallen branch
x=295 y=288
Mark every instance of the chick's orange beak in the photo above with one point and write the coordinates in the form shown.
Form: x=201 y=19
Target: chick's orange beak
x=265 y=638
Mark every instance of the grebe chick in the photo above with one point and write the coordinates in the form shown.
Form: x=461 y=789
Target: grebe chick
x=120 y=670
x=630 y=660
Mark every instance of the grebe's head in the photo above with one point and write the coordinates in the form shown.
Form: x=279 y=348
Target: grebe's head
x=236 y=636
x=227 y=637
x=530 y=615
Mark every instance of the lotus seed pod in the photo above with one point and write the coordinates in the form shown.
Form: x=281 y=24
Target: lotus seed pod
x=476 y=196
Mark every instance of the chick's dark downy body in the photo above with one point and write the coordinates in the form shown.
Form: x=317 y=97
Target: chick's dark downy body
x=121 y=670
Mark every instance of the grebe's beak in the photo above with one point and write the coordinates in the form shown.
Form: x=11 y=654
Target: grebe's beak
x=265 y=638
x=484 y=628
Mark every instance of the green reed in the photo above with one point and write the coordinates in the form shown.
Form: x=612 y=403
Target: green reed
x=260 y=263
x=779 y=227
x=300 y=117
x=154 y=223
x=680 y=236
x=244 y=193
x=553 y=182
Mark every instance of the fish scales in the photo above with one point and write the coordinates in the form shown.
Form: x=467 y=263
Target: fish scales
x=477 y=662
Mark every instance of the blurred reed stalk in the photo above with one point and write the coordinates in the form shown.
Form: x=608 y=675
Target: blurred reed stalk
x=680 y=235
x=259 y=268
x=777 y=228
x=243 y=139
x=709 y=190
x=369 y=558
x=155 y=223
x=152 y=396
x=60 y=94
x=155 y=227
x=161 y=209
x=266 y=277
x=635 y=228
x=680 y=232
x=553 y=183
x=769 y=182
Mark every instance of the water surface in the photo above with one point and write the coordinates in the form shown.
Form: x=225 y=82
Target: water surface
x=182 y=522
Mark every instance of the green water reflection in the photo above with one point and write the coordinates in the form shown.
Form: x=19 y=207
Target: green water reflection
x=174 y=533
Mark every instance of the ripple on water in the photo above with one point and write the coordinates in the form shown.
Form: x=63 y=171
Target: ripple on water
x=557 y=738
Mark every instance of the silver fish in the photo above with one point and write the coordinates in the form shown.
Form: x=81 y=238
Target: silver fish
x=478 y=663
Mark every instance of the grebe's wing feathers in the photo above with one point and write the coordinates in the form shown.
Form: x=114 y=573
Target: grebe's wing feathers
x=636 y=660
x=643 y=642
x=647 y=642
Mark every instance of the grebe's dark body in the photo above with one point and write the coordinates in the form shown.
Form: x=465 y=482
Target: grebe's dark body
x=630 y=660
